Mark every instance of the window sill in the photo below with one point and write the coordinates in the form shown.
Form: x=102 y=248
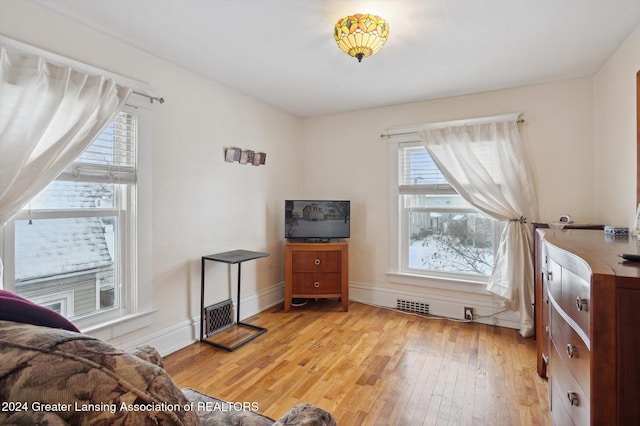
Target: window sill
x=119 y=326
x=445 y=283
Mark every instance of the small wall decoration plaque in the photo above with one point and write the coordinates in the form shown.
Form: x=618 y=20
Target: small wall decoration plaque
x=257 y=158
x=250 y=155
x=245 y=156
x=232 y=154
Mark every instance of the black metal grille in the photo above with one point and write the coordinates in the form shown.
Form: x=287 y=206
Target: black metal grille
x=218 y=316
x=410 y=306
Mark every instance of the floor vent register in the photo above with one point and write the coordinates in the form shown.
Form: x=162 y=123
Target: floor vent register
x=219 y=316
x=410 y=306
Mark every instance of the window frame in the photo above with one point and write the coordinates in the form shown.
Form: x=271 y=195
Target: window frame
x=399 y=270
x=65 y=298
x=135 y=309
x=125 y=236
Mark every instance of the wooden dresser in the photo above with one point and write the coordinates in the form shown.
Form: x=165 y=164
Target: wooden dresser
x=593 y=342
x=316 y=271
x=541 y=305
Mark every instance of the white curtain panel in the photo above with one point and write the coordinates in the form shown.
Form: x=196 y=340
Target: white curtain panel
x=49 y=114
x=484 y=160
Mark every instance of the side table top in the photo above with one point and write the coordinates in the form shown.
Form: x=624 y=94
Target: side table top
x=235 y=256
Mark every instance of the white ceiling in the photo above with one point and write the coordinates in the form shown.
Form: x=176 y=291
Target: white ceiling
x=283 y=52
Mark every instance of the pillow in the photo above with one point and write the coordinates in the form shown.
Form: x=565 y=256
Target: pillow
x=17 y=309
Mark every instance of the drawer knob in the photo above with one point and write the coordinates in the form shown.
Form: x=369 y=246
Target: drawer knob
x=316 y=284
x=573 y=398
x=572 y=351
x=317 y=261
x=581 y=304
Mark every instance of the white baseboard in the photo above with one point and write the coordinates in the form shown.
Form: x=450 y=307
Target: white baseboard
x=265 y=299
x=441 y=303
x=175 y=337
x=167 y=340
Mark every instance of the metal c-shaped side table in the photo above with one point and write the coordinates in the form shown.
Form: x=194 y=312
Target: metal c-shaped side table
x=230 y=257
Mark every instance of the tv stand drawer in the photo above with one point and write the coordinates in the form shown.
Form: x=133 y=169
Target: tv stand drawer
x=316 y=261
x=317 y=284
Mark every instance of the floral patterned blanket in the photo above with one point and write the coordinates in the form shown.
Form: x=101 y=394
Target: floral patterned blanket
x=51 y=376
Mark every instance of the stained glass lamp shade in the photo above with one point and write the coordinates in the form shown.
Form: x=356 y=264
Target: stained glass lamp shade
x=361 y=34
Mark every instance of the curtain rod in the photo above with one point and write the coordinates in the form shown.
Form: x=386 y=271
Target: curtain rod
x=415 y=132
x=151 y=98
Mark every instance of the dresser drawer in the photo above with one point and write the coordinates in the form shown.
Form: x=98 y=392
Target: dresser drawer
x=571 y=293
x=566 y=395
x=571 y=349
x=553 y=280
x=544 y=346
x=317 y=284
x=575 y=299
x=316 y=261
x=569 y=285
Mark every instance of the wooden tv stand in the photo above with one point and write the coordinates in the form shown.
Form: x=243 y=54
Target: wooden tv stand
x=316 y=271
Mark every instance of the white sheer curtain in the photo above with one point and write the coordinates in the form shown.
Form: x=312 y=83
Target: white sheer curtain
x=49 y=114
x=483 y=159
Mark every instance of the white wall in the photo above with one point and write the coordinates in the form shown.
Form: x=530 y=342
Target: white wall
x=615 y=134
x=200 y=204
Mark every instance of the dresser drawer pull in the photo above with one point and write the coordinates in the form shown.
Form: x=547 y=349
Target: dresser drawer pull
x=573 y=398
x=317 y=261
x=581 y=304
x=316 y=284
x=572 y=351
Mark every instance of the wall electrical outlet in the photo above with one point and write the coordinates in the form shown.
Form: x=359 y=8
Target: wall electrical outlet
x=468 y=313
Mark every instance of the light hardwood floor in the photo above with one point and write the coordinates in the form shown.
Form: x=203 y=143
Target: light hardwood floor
x=373 y=366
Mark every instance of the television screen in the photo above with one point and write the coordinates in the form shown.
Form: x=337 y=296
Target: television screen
x=317 y=219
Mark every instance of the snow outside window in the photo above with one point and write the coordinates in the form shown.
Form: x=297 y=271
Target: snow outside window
x=440 y=233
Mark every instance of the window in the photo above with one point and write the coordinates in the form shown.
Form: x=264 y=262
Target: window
x=439 y=233
x=73 y=247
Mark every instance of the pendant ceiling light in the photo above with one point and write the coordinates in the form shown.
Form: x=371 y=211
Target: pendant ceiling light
x=361 y=34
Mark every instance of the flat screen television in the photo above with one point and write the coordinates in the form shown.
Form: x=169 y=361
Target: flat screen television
x=317 y=220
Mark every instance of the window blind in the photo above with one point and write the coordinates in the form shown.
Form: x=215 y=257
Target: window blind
x=111 y=157
x=418 y=174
